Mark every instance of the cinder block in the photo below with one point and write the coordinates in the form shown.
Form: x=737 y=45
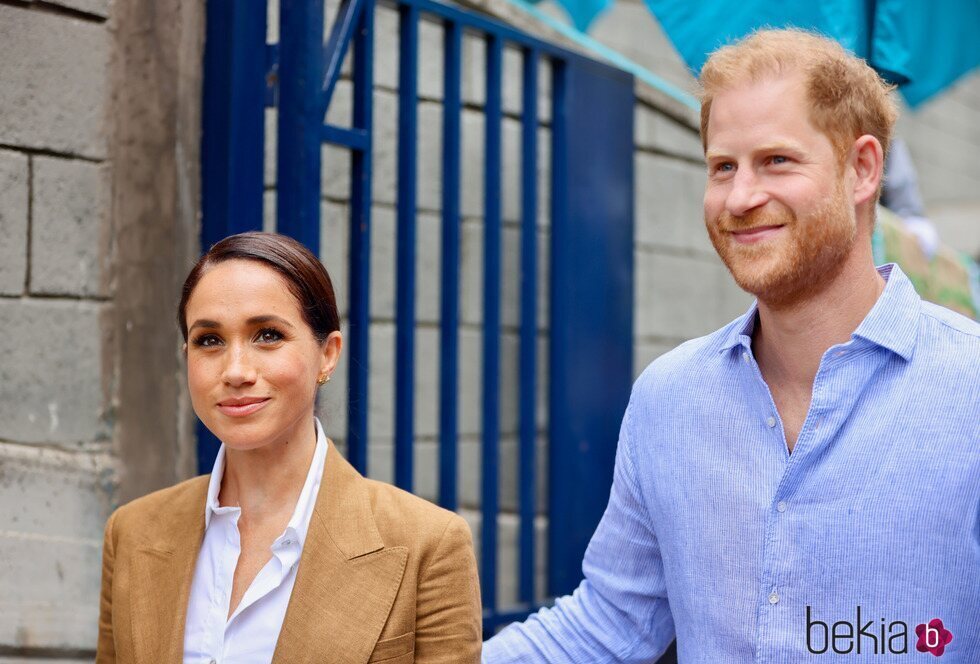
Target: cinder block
x=474 y=69
x=470 y=381
x=429 y=157
x=94 y=7
x=431 y=70
x=544 y=177
x=669 y=209
x=385 y=47
x=471 y=171
x=335 y=250
x=677 y=296
x=52 y=387
x=509 y=393
x=428 y=268
x=426 y=396
x=383 y=255
x=384 y=147
x=335 y=172
x=381 y=382
x=271 y=141
x=510 y=176
x=56 y=504
x=471 y=272
x=656 y=131
x=512 y=81
x=13 y=221
x=510 y=277
x=69 y=238
x=54 y=72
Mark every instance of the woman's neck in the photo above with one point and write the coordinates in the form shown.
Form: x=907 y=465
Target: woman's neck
x=269 y=478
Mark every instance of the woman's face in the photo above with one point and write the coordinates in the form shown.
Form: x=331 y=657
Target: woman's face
x=252 y=361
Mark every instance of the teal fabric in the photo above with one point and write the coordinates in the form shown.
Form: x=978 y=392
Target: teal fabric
x=921 y=45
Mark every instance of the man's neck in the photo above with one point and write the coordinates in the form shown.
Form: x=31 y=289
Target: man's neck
x=790 y=341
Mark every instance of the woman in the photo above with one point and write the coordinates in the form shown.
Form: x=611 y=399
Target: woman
x=284 y=553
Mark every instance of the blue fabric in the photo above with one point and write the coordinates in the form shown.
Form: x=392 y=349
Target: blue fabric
x=715 y=533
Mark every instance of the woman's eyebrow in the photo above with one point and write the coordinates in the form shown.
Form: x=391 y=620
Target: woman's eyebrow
x=268 y=318
x=204 y=323
x=254 y=320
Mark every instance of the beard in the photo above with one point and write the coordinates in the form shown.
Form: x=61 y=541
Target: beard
x=807 y=256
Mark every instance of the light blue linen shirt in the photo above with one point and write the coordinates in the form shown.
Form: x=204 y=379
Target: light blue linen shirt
x=715 y=533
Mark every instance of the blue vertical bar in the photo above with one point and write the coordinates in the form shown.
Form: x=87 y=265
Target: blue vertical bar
x=360 y=244
x=232 y=144
x=491 y=324
x=300 y=121
x=449 y=318
x=529 y=304
x=559 y=214
x=405 y=281
x=591 y=270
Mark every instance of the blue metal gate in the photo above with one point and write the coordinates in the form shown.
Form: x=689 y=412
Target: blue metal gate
x=590 y=296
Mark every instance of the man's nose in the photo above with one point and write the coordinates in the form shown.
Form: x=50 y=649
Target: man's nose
x=746 y=193
x=239 y=368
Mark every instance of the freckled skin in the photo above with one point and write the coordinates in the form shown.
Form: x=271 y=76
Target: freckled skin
x=769 y=166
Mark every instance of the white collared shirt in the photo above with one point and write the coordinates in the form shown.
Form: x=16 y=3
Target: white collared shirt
x=251 y=632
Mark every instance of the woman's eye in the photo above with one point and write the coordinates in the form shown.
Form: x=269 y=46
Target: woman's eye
x=269 y=336
x=206 y=341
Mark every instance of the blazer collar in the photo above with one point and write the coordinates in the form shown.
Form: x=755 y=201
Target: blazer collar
x=163 y=569
x=347 y=579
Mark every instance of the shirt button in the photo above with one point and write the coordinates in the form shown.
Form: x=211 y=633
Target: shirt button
x=781 y=506
x=773 y=597
x=771 y=421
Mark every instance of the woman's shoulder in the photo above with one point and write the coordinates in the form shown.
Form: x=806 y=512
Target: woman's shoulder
x=406 y=519
x=159 y=509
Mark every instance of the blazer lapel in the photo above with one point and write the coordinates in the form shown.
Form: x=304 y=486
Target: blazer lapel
x=162 y=573
x=347 y=579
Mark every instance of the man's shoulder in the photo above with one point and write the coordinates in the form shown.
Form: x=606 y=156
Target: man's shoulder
x=689 y=359
x=948 y=337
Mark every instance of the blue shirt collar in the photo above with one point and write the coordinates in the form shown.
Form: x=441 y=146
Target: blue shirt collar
x=892 y=323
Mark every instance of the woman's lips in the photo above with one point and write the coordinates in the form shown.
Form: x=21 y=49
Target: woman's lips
x=757 y=234
x=241 y=407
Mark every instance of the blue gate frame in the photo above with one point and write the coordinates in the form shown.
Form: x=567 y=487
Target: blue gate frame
x=591 y=293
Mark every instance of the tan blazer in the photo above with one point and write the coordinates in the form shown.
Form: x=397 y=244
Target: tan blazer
x=384 y=577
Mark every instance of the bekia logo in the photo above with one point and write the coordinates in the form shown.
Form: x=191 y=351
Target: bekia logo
x=933 y=637
x=878 y=638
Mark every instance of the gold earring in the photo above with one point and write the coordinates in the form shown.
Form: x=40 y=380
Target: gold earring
x=322 y=379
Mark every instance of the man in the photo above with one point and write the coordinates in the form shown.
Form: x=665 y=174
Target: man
x=805 y=480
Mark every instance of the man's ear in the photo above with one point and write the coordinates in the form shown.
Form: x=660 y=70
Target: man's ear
x=868 y=161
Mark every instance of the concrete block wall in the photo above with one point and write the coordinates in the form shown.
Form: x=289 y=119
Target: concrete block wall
x=99 y=137
x=56 y=466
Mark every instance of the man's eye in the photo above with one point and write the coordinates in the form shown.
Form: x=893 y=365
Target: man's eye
x=206 y=341
x=269 y=336
x=725 y=167
x=779 y=159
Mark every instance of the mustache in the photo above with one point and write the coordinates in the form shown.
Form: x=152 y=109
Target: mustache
x=726 y=221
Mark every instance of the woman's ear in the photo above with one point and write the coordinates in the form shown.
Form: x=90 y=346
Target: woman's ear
x=331 y=348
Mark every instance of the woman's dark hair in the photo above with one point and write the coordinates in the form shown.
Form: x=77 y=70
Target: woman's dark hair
x=305 y=276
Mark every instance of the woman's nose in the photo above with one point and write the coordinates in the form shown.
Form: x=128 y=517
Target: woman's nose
x=239 y=368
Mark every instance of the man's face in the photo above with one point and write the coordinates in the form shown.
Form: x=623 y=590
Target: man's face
x=776 y=204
